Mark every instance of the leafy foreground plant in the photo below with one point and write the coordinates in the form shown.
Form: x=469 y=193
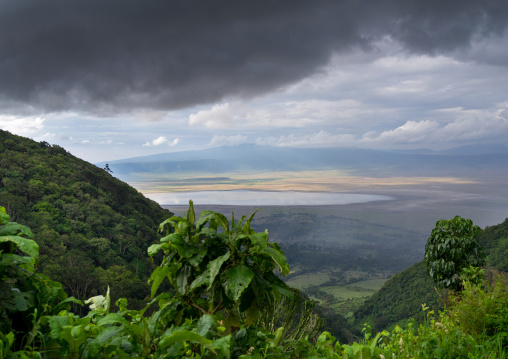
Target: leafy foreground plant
x=225 y=303
x=215 y=266
x=223 y=276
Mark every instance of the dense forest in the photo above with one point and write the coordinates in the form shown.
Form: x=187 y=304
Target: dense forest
x=70 y=233
x=92 y=229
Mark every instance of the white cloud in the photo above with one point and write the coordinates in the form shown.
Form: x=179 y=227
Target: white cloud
x=220 y=140
x=319 y=139
x=160 y=141
x=174 y=142
x=464 y=125
x=23 y=126
x=410 y=132
x=218 y=116
x=476 y=124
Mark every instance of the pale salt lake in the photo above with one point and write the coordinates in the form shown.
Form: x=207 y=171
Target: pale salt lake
x=263 y=198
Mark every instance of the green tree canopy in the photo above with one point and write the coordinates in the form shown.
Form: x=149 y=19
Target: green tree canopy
x=452 y=246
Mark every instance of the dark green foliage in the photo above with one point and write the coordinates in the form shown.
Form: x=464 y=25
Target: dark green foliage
x=452 y=246
x=494 y=240
x=400 y=298
x=85 y=221
x=25 y=295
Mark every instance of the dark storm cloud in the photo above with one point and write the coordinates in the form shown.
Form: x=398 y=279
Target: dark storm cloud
x=101 y=55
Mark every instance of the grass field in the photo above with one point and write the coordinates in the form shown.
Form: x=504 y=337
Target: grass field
x=306 y=280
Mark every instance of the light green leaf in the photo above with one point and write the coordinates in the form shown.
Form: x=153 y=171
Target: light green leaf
x=154 y=248
x=14 y=229
x=112 y=318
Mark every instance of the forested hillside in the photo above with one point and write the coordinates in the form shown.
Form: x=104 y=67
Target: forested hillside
x=400 y=298
x=93 y=230
x=402 y=295
x=495 y=242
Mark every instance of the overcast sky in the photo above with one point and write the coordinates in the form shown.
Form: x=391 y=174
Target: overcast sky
x=120 y=78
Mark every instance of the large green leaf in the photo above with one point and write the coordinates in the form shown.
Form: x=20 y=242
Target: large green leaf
x=154 y=248
x=175 y=238
x=112 y=318
x=16 y=301
x=259 y=242
x=26 y=245
x=182 y=278
x=187 y=250
x=200 y=279
x=215 y=266
x=191 y=215
x=246 y=226
x=14 y=229
x=222 y=345
x=196 y=259
x=4 y=217
x=205 y=217
x=204 y=324
x=278 y=258
x=182 y=336
x=239 y=278
x=157 y=277
x=222 y=220
x=208 y=276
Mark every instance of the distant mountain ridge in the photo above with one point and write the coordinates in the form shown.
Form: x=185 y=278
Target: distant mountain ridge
x=467 y=160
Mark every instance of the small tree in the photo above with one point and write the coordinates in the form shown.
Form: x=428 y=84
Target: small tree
x=107 y=169
x=452 y=246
